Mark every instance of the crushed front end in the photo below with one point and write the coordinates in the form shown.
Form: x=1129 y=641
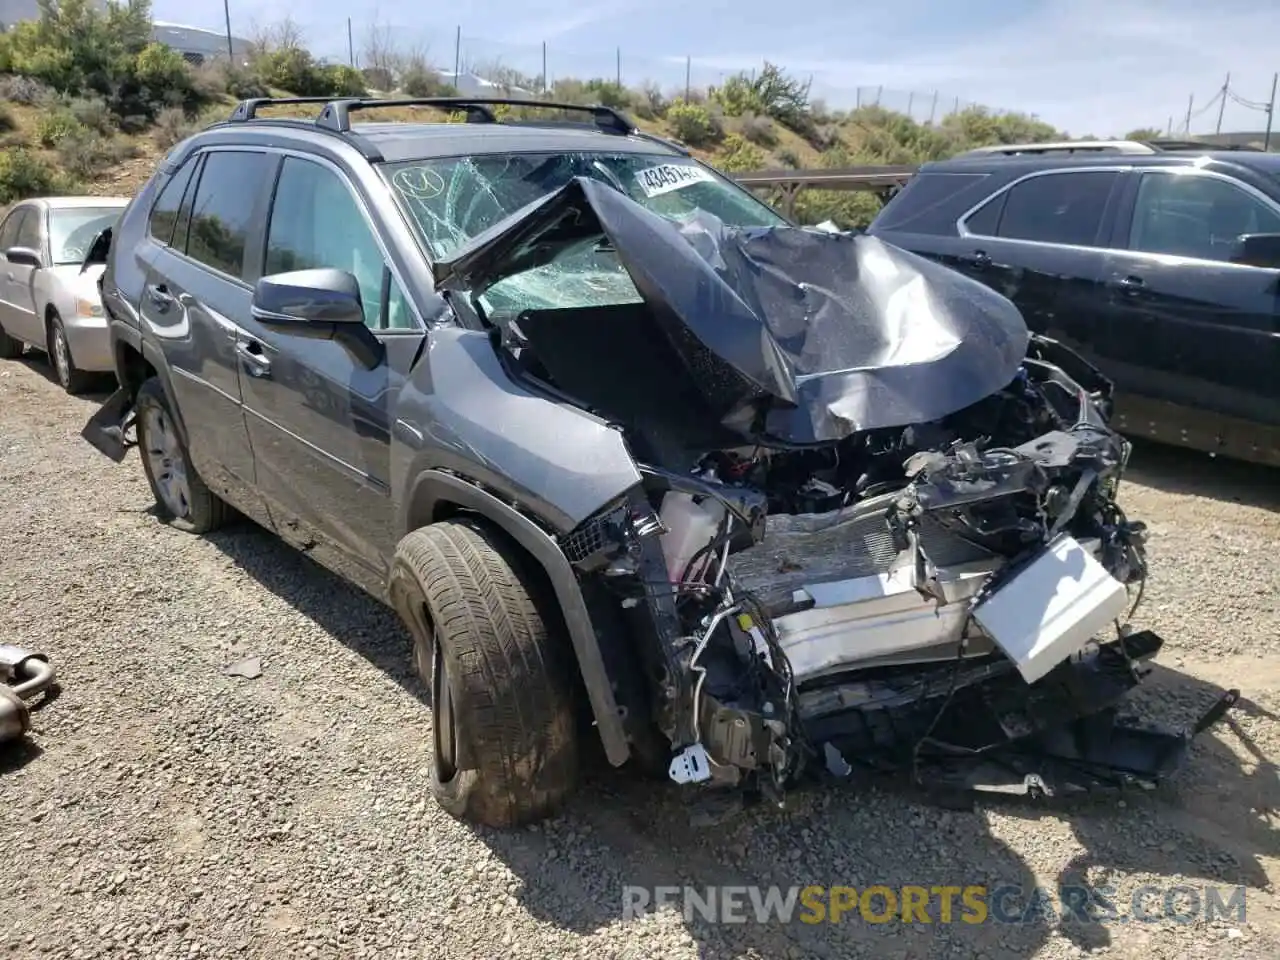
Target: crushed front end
x=949 y=599
x=877 y=525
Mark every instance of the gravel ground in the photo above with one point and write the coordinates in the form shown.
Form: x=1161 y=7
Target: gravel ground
x=163 y=808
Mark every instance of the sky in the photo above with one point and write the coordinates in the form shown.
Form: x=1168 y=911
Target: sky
x=1097 y=67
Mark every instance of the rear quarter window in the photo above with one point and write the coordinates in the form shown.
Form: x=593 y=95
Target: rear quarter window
x=929 y=203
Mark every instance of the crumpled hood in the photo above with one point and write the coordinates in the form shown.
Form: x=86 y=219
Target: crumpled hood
x=837 y=333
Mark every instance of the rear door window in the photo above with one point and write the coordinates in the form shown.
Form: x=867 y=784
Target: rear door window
x=1054 y=208
x=1193 y=215
x=222 y=215
x=165 y=212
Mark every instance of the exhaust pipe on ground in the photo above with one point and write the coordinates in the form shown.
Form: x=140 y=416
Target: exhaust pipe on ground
x=26 y=675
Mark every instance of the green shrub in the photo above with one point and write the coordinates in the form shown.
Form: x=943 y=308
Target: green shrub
x=93 y=113
x=54 y=127
x=788 y=158
x=213 y=78
x=736 y=154
x=419 y=80
x=25 y=90
x=692 y=123
x=77 y=50
x=770 y=93
x=85 y=154
x=758 y=130
x=7 y=122
x=23 y=175
x=649 y=103
x=172 y=126
x=608 y=93
x=294 y=69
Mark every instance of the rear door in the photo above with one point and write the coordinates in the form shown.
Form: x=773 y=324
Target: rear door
x=20 y=318
x=197 y=293
x=1196 y=329
x=1039 y=241
x=319 y=416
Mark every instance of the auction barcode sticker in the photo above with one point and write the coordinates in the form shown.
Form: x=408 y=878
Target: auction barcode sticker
x=670 y=176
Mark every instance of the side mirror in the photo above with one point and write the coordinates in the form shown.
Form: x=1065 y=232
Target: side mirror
x=318 y=297
x=24 y=257
x=1258 y=250
x=322 y=304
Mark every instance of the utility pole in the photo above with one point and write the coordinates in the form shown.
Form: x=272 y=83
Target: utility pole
x=1169 y=132
x=457 y=56
x=1190 y=100
x=544 y=66
x=879 y=91
x=688 y=67
x=1271 y=109
x=226 y=10
x=934 y=108
x=1222 y=104
x=911 y=98
x=351 y=47
x=619 y=77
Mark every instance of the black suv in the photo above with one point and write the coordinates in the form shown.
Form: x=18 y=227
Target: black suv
x=636 y=460
x=1159 y=262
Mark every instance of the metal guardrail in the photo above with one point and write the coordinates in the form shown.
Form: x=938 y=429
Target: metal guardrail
x=879 y=179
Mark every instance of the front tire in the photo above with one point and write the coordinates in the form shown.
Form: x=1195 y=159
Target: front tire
x=506 y=749
x=72 y=379
x=183 y=500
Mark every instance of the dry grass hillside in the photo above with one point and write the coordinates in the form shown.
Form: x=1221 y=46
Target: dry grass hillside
x=88 y=103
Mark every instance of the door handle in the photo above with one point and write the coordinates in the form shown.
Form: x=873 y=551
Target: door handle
x=9 y=277
x=1131 y=284
x=256 y=362
x=160 y=296
x=981 y=259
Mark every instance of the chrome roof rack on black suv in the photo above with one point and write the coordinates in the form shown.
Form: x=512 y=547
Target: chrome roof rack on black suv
x=1131 y=147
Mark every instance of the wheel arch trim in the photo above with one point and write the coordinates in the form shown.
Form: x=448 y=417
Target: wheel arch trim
x=433 y=489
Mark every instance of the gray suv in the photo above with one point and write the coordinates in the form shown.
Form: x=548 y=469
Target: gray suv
x=637 y=461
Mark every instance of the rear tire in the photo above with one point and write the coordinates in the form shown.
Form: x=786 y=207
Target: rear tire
x=183 y=500
x=10 y=347
x=506 y=749
x=72 y=379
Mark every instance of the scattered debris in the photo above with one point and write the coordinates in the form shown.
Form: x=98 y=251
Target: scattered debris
x=250 y=668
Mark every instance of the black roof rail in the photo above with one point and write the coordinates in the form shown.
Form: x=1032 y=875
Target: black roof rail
x=337 y=114
x=248 y=109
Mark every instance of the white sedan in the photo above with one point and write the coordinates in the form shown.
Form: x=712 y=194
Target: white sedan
x=48 y=295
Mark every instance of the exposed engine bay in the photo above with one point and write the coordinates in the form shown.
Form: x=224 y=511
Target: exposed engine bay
x=878 y=522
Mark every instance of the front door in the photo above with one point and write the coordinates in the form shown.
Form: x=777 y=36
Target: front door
x=1196 y=329
x=319 y=411
x=16 y=300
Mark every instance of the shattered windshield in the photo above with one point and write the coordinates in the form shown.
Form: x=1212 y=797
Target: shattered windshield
x=450 y=200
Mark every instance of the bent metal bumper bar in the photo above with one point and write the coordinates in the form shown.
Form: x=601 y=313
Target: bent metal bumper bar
x=26 y=675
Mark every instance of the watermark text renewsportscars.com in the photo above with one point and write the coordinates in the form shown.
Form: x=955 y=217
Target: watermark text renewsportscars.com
x=969 y=904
